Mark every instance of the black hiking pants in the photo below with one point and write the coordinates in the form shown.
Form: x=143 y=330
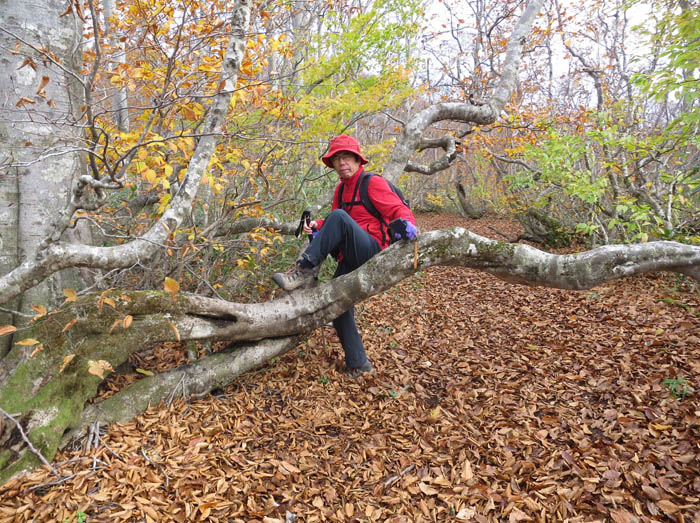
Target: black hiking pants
x=341 y=234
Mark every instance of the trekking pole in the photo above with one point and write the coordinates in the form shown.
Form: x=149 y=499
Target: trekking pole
x=304 y=220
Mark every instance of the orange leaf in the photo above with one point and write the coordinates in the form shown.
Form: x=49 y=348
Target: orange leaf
x=114 y=325
x=70 y=295
x=66 y=361
x=42 y=86
x=127 y=321
x=7 y=329
x=24 y=101
x=28 y=62
x=36 y=350
x=174 y=328
x=69 y=324
x=110 y=301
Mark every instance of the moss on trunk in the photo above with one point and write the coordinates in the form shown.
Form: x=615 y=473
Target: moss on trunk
x=47 y=391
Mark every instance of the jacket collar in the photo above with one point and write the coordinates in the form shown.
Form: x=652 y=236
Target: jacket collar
x=350 y=182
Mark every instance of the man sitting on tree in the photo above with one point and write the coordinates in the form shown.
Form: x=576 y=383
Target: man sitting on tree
x=366 y=216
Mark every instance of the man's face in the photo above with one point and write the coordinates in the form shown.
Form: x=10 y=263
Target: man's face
x=345 y=164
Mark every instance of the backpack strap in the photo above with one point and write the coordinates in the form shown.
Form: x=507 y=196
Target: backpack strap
x=363 y=186
x=354 y=201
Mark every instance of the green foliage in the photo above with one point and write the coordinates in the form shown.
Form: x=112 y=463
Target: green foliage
x=676 y=35
x=678 y=387
x=80 y=517
x=598 y=194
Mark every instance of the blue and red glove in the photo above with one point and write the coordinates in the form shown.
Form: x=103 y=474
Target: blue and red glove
x=401 y=229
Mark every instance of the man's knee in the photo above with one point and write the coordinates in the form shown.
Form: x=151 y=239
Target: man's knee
x=339 y=215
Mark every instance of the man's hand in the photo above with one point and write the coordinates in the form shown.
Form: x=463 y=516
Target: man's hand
x=310 y=227
x=401 y=229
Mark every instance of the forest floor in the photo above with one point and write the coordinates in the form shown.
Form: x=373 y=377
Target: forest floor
x=489 y=402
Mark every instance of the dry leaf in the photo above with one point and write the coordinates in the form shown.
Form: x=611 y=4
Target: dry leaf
x=41 y=91
x=26 y=342
x=467 y=472
x=667 y=506
x=518 y=515
x=70 y=295
x=174 y=328
x=69 y=325
x=172 y=287
x=66 y=361
x=40 y=310
x=98 y=368
x=7 y=329
x=110 y=302
x=427 y=489
x=114 y=325
x=127 y=321
x=622 y=516
x=651 y=492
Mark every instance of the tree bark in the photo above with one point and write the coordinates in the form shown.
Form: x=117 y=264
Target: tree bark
x=39 y=134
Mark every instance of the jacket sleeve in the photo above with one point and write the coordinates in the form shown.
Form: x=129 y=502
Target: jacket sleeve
x=334 y=205
x=387 y=203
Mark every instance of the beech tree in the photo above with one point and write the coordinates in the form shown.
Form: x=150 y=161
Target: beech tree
x=58 y=361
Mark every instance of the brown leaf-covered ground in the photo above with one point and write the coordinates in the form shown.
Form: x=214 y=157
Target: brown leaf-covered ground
x=490 y=402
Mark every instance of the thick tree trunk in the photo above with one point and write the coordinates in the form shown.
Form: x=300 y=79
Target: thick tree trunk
x=39 y=132
x=49 y=390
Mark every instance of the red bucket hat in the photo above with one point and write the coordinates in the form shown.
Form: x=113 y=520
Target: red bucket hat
x=343 y=142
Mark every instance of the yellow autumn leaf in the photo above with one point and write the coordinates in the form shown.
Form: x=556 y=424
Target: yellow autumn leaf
x=70 y=295
x=144 y=372
x=7 y=329
x=36 y=350
x=127 y=321
x=66 y=361
x=150 y=175
x=172 y=287
x=26 y=342
x=661 y=427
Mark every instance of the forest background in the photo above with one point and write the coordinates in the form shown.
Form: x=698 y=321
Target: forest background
x=596 y=144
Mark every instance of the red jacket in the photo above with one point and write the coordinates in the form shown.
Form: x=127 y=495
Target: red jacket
x=387 y=203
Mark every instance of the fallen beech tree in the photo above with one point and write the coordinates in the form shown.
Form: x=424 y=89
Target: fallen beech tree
x=48 y=392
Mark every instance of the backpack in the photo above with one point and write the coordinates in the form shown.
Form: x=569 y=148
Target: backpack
x=363 y=186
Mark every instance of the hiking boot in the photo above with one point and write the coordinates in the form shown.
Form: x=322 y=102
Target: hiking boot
x=295 y=277
x=359 y=371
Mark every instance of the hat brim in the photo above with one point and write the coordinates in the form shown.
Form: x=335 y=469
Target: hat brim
x=327 y=159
